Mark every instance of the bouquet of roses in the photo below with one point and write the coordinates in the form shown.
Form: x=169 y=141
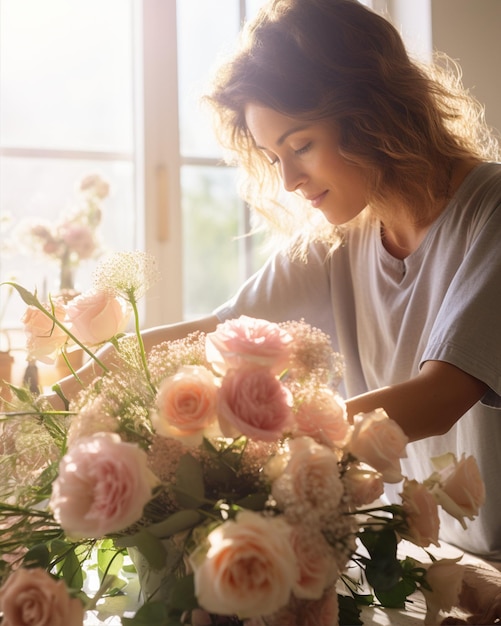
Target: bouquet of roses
x=220 y=469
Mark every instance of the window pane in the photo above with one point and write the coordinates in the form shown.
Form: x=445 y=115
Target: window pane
x=203 y=35
x=35 y=189
x=252 y=7
x=65 y=68
x=211 y=227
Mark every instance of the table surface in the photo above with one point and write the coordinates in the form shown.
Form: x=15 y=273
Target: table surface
x=111 y=609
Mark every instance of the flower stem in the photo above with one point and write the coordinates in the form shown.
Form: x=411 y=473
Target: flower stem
x=140 y=341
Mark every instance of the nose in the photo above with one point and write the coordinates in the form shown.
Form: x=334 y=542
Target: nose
x=292 y=176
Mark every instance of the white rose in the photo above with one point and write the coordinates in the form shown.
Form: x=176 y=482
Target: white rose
x=445 y=578
x=380 y=442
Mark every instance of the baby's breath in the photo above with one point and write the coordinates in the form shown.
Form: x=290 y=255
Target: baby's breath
x=127 y=274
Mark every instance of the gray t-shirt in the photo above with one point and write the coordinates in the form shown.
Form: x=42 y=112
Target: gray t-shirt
x=387 y=316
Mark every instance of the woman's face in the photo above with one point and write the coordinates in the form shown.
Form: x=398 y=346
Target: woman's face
x=307 y=155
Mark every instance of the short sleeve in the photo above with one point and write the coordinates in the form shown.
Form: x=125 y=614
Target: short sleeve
x=286 y=289
x=467 y=330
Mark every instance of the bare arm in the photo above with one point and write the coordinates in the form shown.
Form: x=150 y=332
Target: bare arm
x=108 y=355
x=426 y=405
x=154 y=336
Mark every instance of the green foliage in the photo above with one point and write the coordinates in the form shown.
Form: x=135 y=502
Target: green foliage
x=150 y=614
x=189 y=489
x=392 y=580
x=349 y=613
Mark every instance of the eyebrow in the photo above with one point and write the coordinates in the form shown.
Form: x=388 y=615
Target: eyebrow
x=283 y=137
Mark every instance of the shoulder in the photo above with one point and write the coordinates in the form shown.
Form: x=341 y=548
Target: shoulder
x=482 y=183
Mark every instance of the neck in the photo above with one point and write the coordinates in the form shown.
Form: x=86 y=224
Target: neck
x=402 y=233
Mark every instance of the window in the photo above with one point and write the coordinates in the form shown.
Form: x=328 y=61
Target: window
x=67 y=80
x=112 y=87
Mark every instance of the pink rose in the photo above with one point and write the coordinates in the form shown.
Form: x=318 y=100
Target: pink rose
x=323 y=417
x=78 y=238
x=186 y=401
x=44 y=338
x=363 y=483
x=32 y=597
x=317 y=567
x=310 y=485
x=97 y=316
x=321 y=612
x=459 y=488
x=249 y=568
x=248 y=341
x=102 y=487
x=252 y=402
x=380 y=442
x=421 y=511
x=445 y=578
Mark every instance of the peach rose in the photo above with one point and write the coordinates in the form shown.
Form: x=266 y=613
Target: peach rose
x=323 y=417
x=249 y=568
x=32 y=597
x=380 y=442
x=310 y=484
x=102 y=487
x=421 y=510
x=445 y=578
x=459 y=488
x=44 y=338
x=97 y=316
x=253 y=402
x=317 y=567
x=186 y=402
x=363 y=483
x=245 y=341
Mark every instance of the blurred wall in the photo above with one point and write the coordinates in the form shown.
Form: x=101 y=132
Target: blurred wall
x=469 y=31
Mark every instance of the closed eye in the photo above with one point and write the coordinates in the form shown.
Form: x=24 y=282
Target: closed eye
x=302 y=150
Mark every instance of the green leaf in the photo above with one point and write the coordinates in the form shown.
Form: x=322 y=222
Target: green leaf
x=72 y=571
x=395 y=598
x=381 y=542
x=109 y=560
x=150 y=547
x=175 y=523
x=28 y=297
x=183 y=594
x=254 y=501
x=38 y=556
x=349 y=613
x=383 y=570
x=219 y=473
x=150 y=614
x=383 y=573
x=189 y=489
x=22 y=394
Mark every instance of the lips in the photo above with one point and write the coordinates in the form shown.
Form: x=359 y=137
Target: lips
x=316 y=201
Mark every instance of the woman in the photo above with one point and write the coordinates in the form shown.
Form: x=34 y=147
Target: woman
x=322 y=97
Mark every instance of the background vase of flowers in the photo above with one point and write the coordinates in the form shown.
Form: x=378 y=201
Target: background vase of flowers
x=223 y=464
x=73 y=237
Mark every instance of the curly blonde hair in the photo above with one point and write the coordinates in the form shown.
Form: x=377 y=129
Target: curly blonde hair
x=337 y=61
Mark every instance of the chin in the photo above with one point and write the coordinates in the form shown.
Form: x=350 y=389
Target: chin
x=336 y=219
